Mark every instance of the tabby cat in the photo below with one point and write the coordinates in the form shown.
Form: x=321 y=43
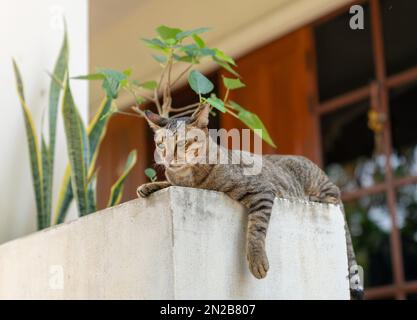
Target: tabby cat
x=280 y=176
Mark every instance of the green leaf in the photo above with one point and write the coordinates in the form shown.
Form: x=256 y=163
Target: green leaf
x=188 y=59
x=233 y=84
x=236 y=106
x=112 y=82
x=140 y=100
x=188 y=33
x=160 y=58
x=34 y=154
x=216 y=103
x=48 y=153
x=253 y=122
x=77 y=146
x=117 y=188
x=60 y=69
x=96 y=132
x=92 y=76
x=64 y=198
x=97 y=129
x=92 y=193
x=199 y=83
x=150 y=85
x=156 y=44
x=206 y=52
x=200 y=42
x=225 y=66
x=127 y=72
x=220 y=55
x=167 y=32
x=150 y=173
x=46 y=183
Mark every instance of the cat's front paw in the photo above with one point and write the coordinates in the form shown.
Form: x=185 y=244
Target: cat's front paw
x=145 y=190
x=258 y=263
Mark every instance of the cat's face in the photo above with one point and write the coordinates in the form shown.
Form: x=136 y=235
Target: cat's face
x=180 y=142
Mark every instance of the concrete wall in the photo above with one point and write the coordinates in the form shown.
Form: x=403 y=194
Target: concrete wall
x=180 y=243
x=31 y=32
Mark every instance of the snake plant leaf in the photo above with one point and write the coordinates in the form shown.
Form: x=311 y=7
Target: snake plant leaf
x=46 y=158
x=97 y=128
x=117 y=188
x=76 y=144
x=92 y=193
x=57 y=78
x=253 y=122
x=199 y=83
x=34 y=153
x=60 y=69
x=64 y=198
x=96 y=132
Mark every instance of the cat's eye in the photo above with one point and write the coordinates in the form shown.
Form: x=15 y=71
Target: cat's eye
x=160 y=145
x=195 y=139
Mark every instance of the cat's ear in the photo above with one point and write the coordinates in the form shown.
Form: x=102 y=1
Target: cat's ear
x=200 y=117
x=155 y=121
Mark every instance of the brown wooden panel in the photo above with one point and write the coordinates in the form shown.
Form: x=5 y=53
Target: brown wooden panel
x=280 y=89
x=124 y=133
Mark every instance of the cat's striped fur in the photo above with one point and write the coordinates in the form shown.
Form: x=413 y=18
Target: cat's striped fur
x=281 y=176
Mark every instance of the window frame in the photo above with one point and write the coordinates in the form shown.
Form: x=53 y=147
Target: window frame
x=378 y=93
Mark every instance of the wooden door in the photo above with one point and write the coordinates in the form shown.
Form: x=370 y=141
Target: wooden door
x=124 y=133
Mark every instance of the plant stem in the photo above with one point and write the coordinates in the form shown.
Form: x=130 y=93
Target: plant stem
x=182 y=114
x=190 y=106
x=226 y=96
x=129 y=114
x=232 y=113
x=137 y=110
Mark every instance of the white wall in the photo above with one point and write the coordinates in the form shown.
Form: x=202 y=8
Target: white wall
x=31 y=32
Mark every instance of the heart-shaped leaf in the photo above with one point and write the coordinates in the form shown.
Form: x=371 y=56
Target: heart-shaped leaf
x=233 y=84
x=150 y=173
x=167 y=32
x=199 y=83
x=216 y=103
x=188 y=33
x=253 y=122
